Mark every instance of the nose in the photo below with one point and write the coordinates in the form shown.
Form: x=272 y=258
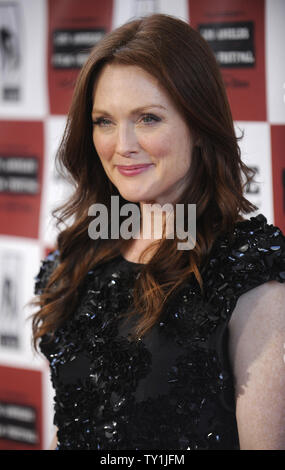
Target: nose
x=127 y=143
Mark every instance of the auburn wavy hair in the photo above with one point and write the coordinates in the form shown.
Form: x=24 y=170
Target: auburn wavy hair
x=178 y=56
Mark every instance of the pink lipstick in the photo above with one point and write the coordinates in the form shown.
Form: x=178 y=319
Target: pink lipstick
x=130 y=170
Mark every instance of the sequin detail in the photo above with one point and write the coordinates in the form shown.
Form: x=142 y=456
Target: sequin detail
x=174 y=389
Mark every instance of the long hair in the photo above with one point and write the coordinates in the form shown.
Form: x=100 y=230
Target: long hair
x=177 y=55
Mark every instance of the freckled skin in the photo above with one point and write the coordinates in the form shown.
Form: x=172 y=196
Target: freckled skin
x=127 y=137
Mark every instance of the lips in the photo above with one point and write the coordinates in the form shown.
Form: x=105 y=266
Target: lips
x=132 y=170
x=133 y=167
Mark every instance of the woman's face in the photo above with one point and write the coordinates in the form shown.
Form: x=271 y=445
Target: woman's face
x=142 y=140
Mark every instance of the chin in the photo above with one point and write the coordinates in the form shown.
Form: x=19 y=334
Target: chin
x=132 y=197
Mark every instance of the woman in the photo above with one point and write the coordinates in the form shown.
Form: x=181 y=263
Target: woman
x=151 y=346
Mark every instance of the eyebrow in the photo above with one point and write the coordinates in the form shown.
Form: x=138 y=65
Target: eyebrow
x=134 y=111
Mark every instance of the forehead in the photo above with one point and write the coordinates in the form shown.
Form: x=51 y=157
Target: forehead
x=127 y=83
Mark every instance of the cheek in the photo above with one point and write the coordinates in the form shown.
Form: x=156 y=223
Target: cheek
x=157 y=146
x=169 y=151
x=104 y=146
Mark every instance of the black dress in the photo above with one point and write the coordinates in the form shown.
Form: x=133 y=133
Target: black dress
x=174 y=388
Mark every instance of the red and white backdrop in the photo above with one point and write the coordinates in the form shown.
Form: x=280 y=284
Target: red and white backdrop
x=43 y=44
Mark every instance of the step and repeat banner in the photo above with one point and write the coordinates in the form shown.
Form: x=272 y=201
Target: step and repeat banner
x=43 y=45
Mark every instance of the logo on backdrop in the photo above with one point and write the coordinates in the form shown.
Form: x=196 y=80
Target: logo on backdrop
x=232 y=43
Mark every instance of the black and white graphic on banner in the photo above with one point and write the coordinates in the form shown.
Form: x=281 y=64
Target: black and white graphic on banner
x=19 y=175
x=11 y=59
x=232 y=43
x=71 y=47
x=10 y=274
x=18 y=423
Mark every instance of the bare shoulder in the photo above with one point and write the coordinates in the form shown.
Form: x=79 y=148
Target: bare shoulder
x=256 y=350
x=262 y=309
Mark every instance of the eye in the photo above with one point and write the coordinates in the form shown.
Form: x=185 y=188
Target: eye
x=150 y=119
x=102 y=122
